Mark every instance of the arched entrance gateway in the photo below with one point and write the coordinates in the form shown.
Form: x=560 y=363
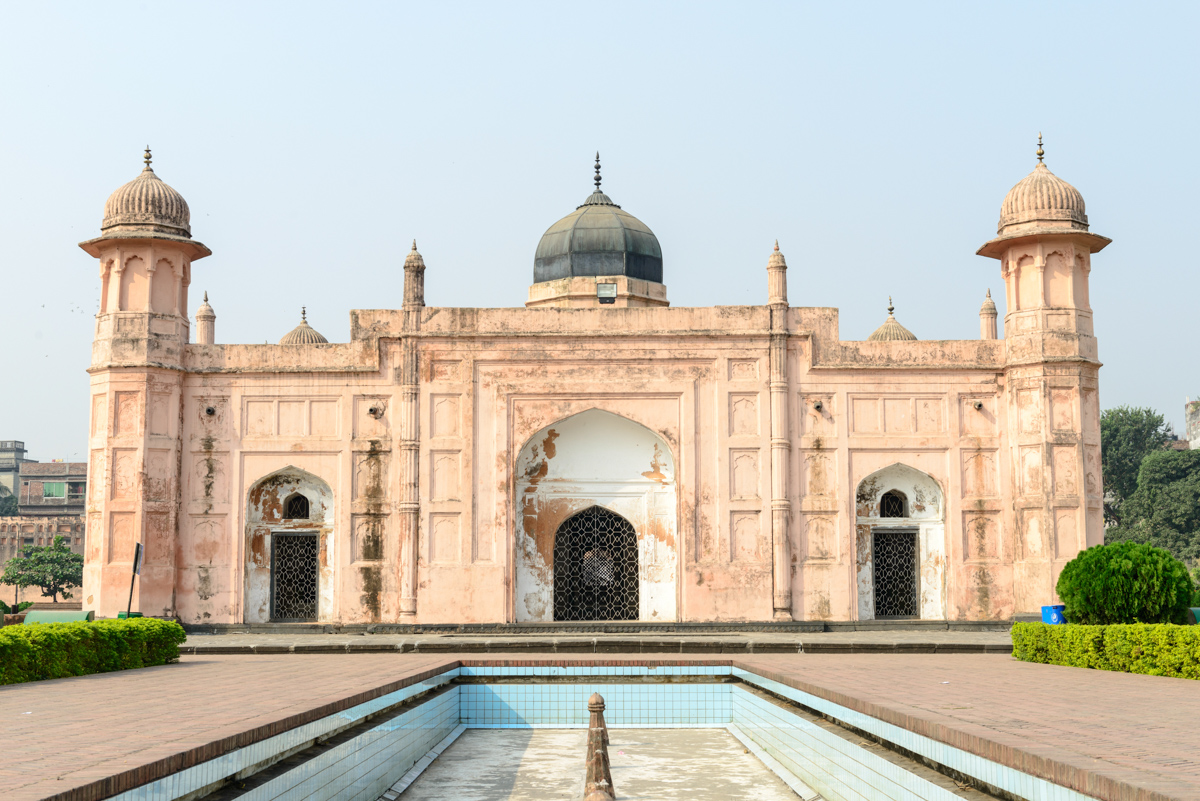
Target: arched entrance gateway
x=901 y=548
x=595 y=523
x=289 y=536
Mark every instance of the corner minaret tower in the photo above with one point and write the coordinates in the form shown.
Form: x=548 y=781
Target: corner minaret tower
x=146 y=250
x=1051 y=372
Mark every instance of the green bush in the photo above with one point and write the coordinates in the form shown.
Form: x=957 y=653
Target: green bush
x=21 y=607
x=1161 y=649
x=1126 y=582
x=56 y=650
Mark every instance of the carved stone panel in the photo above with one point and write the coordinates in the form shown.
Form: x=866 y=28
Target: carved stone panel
x=817 y=422
x=1029 y=470
x=930 y=416
x=979 y=474
x=864 y=416
x=121 y=537
x=818 y=475
x=743 y=369
x=743 y=414
x=160 y=540
x=743 y=480
x=160 y=416
x=124 y=473
x=99 y=415
x=446 y=370
x=1066 y=533
x=260 y=418
x=210 y=477
x=1029 y=411
x=445 y=545
x=370 y=477
x=1066 y=480
x=127 y=420
x=371 y=416
x=820 y=539
x=981 y=536
x=369 y=531
x=291 y=418
x=897 y=415
x=160 y=469
x=323 y=418
x=1032 y=534
x=444 y=415
x=444 y=484
x=1062 y=409
x=745 y=532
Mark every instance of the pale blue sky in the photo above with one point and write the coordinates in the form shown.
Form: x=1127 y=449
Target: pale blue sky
x=313 y=142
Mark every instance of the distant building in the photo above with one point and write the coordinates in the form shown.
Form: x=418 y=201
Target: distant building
x=12 y=456
x=1191 y=413
x=50 y=503
x=52 y=488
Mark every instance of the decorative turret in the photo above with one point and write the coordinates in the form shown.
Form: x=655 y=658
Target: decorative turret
x=206 y=320
x=1051 y=378
x=414 y=280
x=776 y=278
x=891 y=330
x=303 y=334
x=987 y=318
x=598 y=255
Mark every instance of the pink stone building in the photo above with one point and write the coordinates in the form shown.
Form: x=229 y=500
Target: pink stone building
x=597 y=455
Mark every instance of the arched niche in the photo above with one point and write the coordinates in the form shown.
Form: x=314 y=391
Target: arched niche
x=595 y=458
x=272 y=535
x=923 y=513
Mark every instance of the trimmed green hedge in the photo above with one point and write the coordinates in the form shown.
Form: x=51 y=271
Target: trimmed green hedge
x=1157 y=649
x=56 y=650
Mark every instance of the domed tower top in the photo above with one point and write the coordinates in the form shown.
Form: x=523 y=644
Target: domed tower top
x=1041 y=203
x=147 y=208
x=599 y=238
x=148 y=203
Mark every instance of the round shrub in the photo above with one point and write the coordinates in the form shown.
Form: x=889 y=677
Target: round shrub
x=1126 y=582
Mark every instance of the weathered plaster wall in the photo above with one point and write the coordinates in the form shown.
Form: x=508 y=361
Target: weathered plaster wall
x=596 y=458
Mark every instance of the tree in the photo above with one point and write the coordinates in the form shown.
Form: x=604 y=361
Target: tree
x=53 y=568
x=1126 y=436
x=1164 y=510
x=8 y=506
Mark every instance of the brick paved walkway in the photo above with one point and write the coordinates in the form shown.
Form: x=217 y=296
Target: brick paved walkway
x=1115 y=736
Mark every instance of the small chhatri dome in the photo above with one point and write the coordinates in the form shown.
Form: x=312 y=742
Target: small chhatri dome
x=1042 y=196
x=146 y=203
x=989 y=305
x=303 y=334
x=414 y=258
x=205 y=312
x=598 y=238
x=891 y=331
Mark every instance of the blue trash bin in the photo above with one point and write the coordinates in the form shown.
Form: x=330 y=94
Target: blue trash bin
x=1054 y=614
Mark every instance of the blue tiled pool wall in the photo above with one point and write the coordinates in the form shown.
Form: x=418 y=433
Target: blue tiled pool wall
x=773 y=738
x=190 y=780
x=659 y=706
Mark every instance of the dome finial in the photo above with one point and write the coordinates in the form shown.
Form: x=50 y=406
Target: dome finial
x=891 y=308
x=303 y=314
x=989 y=294
x=146 y=158
x=597 y=170
x=414 y=246
x=776 y=245
x=206 y=296
x=1040 y=152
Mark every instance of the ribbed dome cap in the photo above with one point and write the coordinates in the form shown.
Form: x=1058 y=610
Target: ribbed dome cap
x=303 y=334
x=148 y=203
x=205 y=312
x=1042 y=196
x=891 y=331
x=598 y=238
x=989 y=305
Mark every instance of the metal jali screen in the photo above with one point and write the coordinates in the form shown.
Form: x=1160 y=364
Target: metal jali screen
x=596 y=567
x=293 y=576
x=895 y=560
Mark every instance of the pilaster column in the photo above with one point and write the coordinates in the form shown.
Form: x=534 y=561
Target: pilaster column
x=781 y=507
x=410 y=445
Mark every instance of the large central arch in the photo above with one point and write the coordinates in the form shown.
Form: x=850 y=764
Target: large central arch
x=600 y=461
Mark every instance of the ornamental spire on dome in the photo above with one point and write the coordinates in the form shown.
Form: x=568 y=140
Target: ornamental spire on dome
x=1040 y=152
x=891 y=330
x=146 y=158
x=597 y=170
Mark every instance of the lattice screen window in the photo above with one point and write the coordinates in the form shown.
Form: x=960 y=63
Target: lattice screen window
x=596 y=567
x=293 y=576
x=295 y=507
x=892 y=504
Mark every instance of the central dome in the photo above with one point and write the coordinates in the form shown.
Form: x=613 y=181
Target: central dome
x=598 y=239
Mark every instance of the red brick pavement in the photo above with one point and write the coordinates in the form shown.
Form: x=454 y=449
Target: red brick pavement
x=1114 y=736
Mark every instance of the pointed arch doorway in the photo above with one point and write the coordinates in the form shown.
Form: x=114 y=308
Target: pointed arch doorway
x=596 y=523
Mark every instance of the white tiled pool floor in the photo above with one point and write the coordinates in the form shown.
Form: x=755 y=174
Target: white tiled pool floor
x=548 y=764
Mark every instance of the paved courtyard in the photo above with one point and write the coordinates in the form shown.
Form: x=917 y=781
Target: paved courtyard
x=1118 y=736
